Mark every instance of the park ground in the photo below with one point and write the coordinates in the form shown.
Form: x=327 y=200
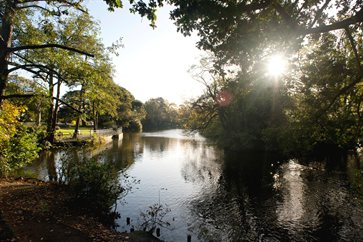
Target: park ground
x=31 y=210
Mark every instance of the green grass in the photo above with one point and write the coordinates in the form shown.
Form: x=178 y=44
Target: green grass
x=68 y=132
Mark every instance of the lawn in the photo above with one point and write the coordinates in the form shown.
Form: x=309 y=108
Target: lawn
x=68 y=132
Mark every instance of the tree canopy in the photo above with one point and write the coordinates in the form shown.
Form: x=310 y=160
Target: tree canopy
x=160 y=114
x=319 y=94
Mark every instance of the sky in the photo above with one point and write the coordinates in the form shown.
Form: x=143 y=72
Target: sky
x=154 y=62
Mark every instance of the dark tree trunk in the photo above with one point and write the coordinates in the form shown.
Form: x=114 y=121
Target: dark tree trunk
x=56 y=107
x=7 y=20
x=76 y=130
x=39 y=114
x=94 y=114
x=50 y=131
x=83 y=121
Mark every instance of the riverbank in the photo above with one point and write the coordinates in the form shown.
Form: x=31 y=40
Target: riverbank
x=31 y=210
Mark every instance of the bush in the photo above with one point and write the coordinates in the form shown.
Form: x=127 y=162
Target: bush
x=18 y=144
x=19 y=150
x=94 y=187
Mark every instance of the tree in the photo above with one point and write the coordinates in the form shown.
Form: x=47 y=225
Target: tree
x=232 y=28
x=57 y=67
x=130 y=112
x=237 y=110
x=12 y=11
x=328 y=97
x=242 y=34
x=32 y=96
x=159 y=115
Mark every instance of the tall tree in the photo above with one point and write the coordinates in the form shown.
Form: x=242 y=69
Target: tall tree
x=11 y=11
x=160 y=114
x=328 y=95
x=57 y=66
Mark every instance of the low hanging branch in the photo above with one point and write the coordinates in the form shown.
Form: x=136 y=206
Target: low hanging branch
x=343 y=24
x=33 y=95
x=68 y=105
x=17 y=96
x=357 y=18
x=32 y=47
x=29 y=66
x=42 y=68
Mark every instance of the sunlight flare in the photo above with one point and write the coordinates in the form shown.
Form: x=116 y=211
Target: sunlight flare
x=276 y=65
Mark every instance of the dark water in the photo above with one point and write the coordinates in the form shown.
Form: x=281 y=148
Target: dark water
x=217 y=197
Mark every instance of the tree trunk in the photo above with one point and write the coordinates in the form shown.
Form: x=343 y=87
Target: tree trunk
x=7 y=20
x=94 y=116
x=50 y=131
x=76 y=129
x=39 y=118
x=39 y=114
x=56 y=107
x=83 y=121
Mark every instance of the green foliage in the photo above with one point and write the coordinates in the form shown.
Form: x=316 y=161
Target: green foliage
x=23 y=148
x=94 y=186
x=316 y=104
x=35 y=105
x=19 y=150
x=159 y=115
x=18 y=144
x=328 y=96
x=130 y=111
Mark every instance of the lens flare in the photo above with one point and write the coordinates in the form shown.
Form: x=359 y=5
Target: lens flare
x=276 y=65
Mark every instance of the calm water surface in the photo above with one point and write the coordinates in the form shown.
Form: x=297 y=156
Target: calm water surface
x=218 y=197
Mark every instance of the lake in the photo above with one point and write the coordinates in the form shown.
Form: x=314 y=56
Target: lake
x=213 y=196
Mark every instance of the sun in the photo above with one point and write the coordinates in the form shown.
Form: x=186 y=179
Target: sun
x=276 y=65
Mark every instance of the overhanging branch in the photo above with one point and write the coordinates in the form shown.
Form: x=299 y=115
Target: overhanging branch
x=33 y=95
x=32 y=47
x=17 y=96
x=68 y=105
x=357 y=18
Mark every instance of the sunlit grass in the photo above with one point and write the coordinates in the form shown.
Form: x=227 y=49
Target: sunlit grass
x=68 y=132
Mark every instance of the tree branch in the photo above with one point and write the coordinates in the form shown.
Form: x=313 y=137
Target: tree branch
x=341 y=92
x=34 y=94
x=17 y=96
x=68 y=105
x=31 y=47
x=357 y=18
x=319 y=13
x=42 y=68
x=355 y=51
x=59 y=76
x=287 y=18
x=36 y=6
x=27 y=66
x=36 y=73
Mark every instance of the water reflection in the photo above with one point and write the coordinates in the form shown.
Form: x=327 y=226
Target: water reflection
x=290 y=182
x=215 y=196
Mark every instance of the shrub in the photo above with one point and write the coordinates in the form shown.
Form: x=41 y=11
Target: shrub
x=95 y=187
x=154 y=217
x=23 y=148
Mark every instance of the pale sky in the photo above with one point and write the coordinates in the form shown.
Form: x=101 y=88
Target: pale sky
x=154 y=62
